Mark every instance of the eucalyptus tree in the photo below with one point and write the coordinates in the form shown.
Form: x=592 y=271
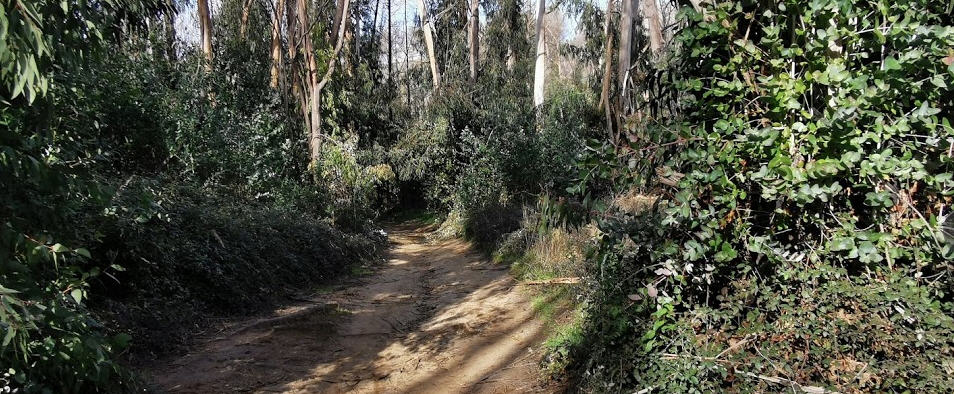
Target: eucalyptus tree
x=539 y=71
x=427 y=26
x=276 y=44
x=205 y=31
x=474 y=30
x=653 y=18
x=625 y=45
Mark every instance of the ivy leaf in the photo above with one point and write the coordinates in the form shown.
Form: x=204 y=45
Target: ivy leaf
x=869 y=253
x=891 y=63
x=841 y=243
x=726 y=254
x=938 y=81
x=879 y=199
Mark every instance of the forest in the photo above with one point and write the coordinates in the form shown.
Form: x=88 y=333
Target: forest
x=650 y=196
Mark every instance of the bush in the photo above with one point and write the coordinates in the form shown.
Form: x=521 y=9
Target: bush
x=356 y=193
x=50 y=139
x=214 y=253
x=800 y=245
x=425 y=155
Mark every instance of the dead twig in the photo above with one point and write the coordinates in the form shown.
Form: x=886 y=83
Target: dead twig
x=787 y=382
x=554 y=281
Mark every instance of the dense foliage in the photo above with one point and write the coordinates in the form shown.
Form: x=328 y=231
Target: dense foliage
x=140 y=193
x=801 y=244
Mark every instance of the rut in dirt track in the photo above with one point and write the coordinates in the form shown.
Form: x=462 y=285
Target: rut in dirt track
x=438 y=317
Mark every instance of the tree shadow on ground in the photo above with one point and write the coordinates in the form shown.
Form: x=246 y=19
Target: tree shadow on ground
x=438 y=317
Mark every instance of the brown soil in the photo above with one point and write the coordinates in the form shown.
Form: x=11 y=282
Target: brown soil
x=438 y=317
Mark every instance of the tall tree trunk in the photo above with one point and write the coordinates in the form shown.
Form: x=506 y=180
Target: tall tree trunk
x=294 y=66
x=474 y=40
x=429 y=41
x=407 y=58
x=311 y=80
x=316 y=136
x=653 y=24
x=277 y=44
x=243 y=24
x=539 y=73
x=390 y=64
x=374 y=21
x=291 y=31
x=607 y=57
x=336 y=24
x=205 y=29
x=357 y=38
x=625 y=47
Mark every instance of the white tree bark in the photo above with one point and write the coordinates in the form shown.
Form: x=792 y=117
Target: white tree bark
x=317 y=85
x=625 y=45
x=205 y=30
x=653 y=24
x=539 y=73
x=429 y=41
x=607 y=57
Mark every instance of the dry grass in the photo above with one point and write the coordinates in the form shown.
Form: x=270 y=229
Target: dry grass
x=634 y=202
x=559 y=252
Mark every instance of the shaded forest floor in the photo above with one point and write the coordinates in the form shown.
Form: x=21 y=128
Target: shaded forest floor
x=438 y=317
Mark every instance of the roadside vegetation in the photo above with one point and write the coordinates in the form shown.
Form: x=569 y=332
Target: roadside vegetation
x=706 y=195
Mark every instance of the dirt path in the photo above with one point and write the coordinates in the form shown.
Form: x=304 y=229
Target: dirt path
x=437 y=318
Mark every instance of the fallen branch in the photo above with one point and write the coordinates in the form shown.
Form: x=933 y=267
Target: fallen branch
x=787 y=382
x=561 y=281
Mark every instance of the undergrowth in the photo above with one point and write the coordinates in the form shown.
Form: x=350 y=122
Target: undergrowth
x=800 y=152
x=214 y=253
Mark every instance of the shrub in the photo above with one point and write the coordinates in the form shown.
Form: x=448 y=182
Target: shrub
x=49 y=340
x=357 y=193
x=425 y=155
x=799 y=245
x=212 y=253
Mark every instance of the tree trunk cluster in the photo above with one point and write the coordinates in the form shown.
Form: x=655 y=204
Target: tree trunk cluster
x=296 y=69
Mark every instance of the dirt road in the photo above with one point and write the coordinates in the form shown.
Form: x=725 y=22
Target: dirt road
x=437 y=318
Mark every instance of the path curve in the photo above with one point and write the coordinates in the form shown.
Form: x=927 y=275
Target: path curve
x=437 y=318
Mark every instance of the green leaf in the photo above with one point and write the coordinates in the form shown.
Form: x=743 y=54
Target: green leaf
x=879 y=199
x=77 y=295
x=726 y=254
x=891 y=63
x=11 y=332
x=122 y=340
x=6 y=291
x=841 y=243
